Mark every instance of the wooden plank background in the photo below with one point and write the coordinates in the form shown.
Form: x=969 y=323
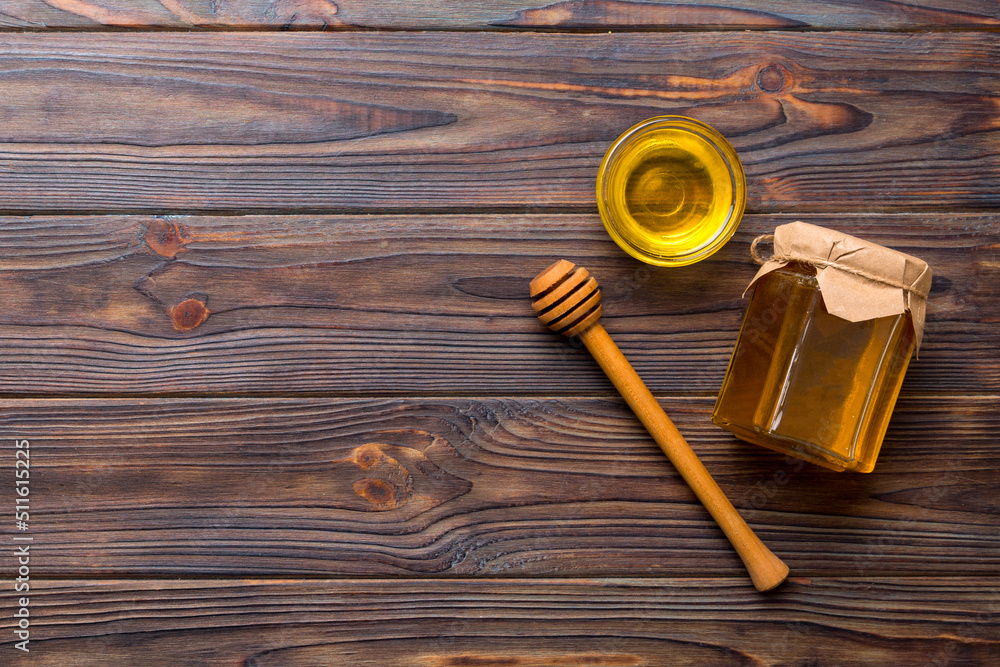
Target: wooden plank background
x=444 y=120
x=418 y=304
x=459 y=487
x=599 y=15
x=264 y=323
x=430 y=623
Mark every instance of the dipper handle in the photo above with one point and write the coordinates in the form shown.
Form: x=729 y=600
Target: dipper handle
x=766 y=570
x=567 y=300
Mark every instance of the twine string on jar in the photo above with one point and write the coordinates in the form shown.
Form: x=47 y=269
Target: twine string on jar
x=793 y=257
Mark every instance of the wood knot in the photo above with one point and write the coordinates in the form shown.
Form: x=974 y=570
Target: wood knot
x=367 y=455
x=188 y=314
x=165 y=238
x=771 y=78
x=376 y=491
x=388 y=485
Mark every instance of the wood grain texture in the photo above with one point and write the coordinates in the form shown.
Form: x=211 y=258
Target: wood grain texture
x=477 y=481
x=278 y=122
x=462 y=487
x=453 y=14
x=595 y=622
x=419 y=304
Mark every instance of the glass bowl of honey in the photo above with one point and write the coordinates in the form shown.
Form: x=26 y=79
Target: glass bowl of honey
x=671 y=191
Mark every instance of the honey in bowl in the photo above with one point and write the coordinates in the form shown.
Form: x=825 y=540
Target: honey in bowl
x=671 y=191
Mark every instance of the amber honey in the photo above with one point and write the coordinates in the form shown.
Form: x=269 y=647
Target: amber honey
x=671 y=191
x=805 y=382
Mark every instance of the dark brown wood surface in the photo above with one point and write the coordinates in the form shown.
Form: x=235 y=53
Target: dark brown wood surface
x=264 y=322
x=523 y=623
x=418 y=304
x=499 y=14
x=227 y=122
x=458 y=487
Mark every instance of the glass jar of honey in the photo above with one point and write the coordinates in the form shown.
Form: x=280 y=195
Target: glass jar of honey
x=825 y=342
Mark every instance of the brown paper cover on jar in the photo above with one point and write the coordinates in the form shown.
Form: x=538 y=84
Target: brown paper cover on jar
x=858 y=280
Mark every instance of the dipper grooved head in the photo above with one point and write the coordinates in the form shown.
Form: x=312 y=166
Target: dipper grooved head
x=566 y=298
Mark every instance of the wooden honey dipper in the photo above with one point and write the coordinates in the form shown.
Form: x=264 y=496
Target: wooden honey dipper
x=567 y=300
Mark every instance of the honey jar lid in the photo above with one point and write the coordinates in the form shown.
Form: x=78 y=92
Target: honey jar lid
x=858 y=280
